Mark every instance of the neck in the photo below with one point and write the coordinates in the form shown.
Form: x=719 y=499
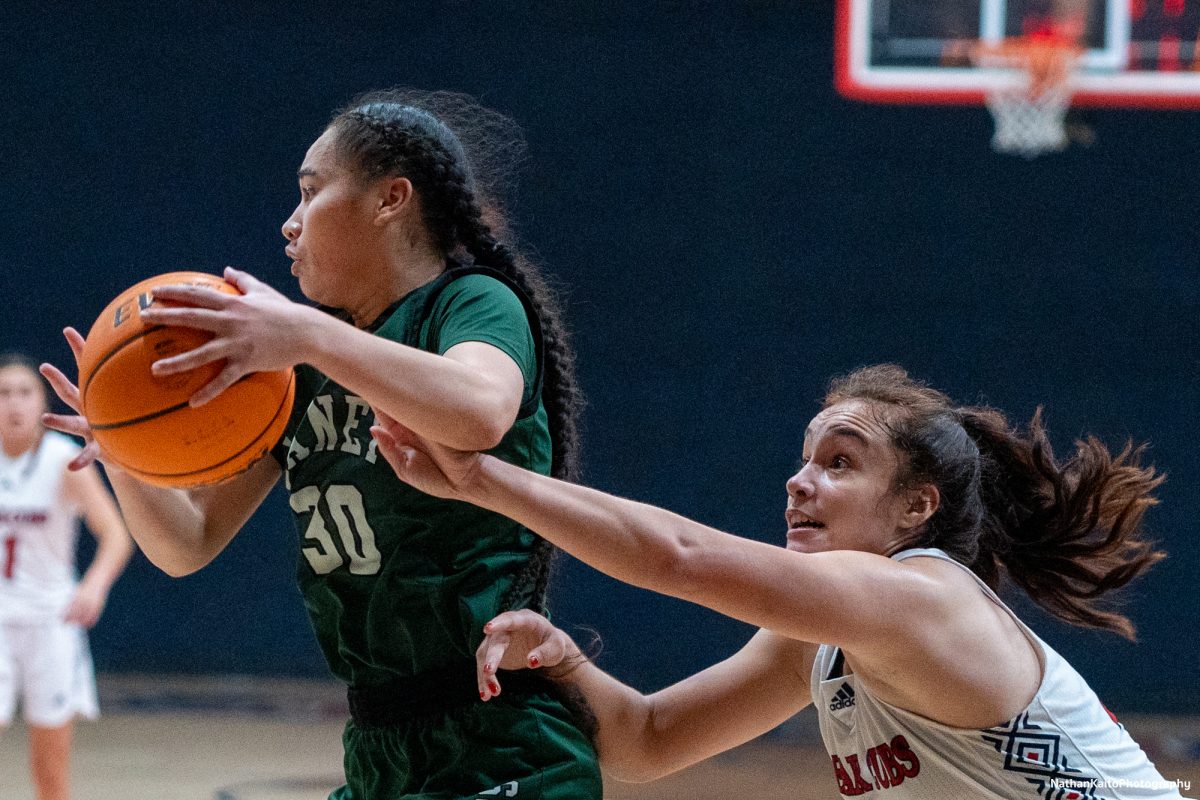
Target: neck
x=17 y=444
x=391 y=284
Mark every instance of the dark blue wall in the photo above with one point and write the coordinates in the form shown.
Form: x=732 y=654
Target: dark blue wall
x=729 y=230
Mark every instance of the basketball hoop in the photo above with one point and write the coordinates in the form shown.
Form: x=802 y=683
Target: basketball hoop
x=1031 y=108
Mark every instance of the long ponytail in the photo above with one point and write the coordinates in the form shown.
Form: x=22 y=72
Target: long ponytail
x=1067 y=533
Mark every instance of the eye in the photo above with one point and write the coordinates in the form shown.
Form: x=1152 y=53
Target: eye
x=839 y=462
x=306 y=192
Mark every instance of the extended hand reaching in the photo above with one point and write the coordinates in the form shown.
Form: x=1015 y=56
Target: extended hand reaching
x=519 y=639
x=426 y=465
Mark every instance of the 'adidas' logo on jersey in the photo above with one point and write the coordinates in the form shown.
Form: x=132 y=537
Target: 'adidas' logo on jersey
x=843 y=699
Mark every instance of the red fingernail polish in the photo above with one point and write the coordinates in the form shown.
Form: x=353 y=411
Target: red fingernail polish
x=534 y=661
x=483 y=695
x=493 y=688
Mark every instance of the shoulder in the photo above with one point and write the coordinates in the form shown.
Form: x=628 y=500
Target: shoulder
x=943 y=580
x=478 y=287
x=478 y=307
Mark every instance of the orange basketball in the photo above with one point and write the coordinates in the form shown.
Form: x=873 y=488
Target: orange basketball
x=144 y=423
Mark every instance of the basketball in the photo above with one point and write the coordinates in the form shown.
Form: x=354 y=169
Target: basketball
x=144 y=423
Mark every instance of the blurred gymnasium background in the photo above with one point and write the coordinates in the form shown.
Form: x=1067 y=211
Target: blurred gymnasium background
x=728 y=230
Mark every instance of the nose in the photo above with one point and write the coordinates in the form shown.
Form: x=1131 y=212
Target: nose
x=291 y=229
x=800 y=485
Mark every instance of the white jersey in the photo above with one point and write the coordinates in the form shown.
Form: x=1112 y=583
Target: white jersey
x=1065 y=744
x=38 y=531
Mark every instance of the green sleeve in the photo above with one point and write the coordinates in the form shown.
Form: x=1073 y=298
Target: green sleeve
x=479 y=308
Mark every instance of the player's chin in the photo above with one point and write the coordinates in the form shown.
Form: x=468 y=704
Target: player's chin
x=310 y=288
x=806 y=543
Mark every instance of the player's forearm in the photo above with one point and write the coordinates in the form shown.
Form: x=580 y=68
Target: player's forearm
x=112 y=554
x=167 y=525
x=633 y=542
x=623 y=720
x=636 y=741
x=438 y=397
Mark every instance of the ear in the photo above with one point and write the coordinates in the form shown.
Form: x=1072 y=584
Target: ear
x=920 y=505
x=394 y=198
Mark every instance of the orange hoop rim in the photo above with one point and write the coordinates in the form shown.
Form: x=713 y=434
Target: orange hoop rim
x=1049 y=59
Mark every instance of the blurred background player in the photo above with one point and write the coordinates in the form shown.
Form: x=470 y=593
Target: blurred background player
x=45 y=663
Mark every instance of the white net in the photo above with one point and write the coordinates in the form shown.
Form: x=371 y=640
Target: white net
x=1031 y=109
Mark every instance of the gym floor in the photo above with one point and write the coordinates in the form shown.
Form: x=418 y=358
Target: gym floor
x=230 y=738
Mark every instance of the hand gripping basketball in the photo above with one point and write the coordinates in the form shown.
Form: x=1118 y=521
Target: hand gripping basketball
x=68 y=392
x=148 y=424
x=255 y=329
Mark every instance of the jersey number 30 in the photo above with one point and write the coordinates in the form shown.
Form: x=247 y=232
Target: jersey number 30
x=345 y=505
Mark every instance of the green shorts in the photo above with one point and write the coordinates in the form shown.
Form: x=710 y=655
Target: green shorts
x=525 y=747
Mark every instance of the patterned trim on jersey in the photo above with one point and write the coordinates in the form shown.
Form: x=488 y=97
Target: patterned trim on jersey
x=1028 y=749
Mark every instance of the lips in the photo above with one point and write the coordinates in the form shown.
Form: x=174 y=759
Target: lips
x=797 y=520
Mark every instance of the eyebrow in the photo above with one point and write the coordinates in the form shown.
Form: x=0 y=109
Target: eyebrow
x=306 y=172
x=846 y=431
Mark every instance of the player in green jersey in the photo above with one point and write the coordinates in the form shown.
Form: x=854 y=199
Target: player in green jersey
x=397 y=584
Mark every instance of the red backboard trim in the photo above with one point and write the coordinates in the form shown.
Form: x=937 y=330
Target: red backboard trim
x=852 y=89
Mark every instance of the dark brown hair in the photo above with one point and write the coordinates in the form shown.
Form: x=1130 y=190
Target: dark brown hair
x=15 y=359
x=1067 y=533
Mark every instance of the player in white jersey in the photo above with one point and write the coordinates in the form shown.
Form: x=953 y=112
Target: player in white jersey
x=905 y=514
x=45 y=610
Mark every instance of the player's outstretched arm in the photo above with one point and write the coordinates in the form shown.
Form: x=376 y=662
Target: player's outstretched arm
x=810 y=597
x=179 y=531
x=644 y=737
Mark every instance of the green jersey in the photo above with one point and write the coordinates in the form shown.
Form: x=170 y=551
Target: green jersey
x=397 y=582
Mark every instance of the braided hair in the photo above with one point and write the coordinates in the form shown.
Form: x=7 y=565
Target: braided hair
x=459 y=157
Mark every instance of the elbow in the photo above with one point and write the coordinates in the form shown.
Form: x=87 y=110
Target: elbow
x=671 y=565
x=176 y=568
x=490 y=430
x=635 y=773
x=475 y=435
x=484 y=428
x=175 y=563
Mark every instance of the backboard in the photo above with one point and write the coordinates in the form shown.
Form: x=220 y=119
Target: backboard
x=1138 y=53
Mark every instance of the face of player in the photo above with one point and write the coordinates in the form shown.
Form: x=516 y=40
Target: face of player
x=22 y=403
x=843 y=497
x=332 y=240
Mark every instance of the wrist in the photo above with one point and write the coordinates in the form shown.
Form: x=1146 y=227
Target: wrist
x=572 y=661
x=307 y=334
x=477 y=485
x=93 y=583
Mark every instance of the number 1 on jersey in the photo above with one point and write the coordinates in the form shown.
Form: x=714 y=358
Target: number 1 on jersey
x=10 y=556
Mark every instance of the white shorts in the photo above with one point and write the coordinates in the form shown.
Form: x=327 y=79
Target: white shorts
x=49 y=667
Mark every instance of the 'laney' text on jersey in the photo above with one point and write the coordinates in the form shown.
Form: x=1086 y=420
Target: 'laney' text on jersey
x=337 y=423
